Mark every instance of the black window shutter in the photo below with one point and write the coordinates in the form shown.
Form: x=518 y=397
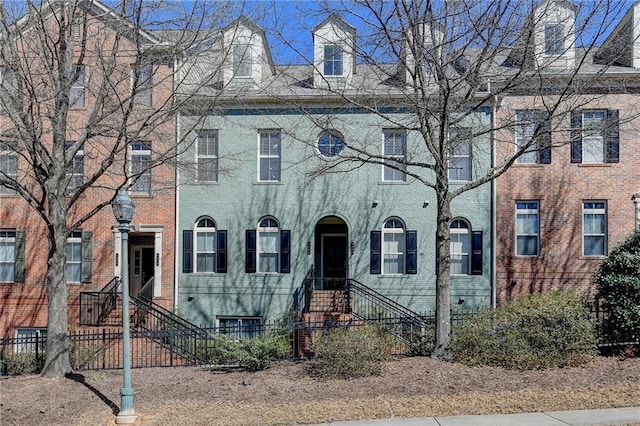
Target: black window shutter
x=187 y=251
x=285 y=251
x=476 y=253
x=411 y=266
x=250 y=251
x=20 y=265
x=545 y=141
x=221 y=252
x=613 y=136
x=87 y=257
x=576 y=136
x=375 y=266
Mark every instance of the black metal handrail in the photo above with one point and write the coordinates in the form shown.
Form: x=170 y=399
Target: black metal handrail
x=366 y=303
x=148 y=318
x=146 y=293
x=95 y=306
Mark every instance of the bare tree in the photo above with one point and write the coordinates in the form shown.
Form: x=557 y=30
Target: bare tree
x=446 y=62
x=77 y=85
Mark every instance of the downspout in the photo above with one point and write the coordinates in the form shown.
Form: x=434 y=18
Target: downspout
x=496 y=102
x=176 y=237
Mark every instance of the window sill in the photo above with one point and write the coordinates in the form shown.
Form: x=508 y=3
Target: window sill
x=393 y=182
x=268 y=182
x=392 y=275
x=595 y=164
x=268 y=274
x=594 y=258
x=534 y=165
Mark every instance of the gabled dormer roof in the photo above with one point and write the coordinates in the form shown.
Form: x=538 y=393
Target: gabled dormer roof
x=336 y=20
x=244 y=21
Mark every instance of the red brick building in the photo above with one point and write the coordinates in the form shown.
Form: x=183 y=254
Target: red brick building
x=116 y=67
x=563 y=206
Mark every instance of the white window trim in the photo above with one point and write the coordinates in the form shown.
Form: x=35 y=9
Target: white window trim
x=267 y=230
x=143 y=153
x=143 y=92
x=522 y=138
x=246 y=61
x=206 y=230
x=78 y=86
x=399 y=159
x=269 y=156
x=595 y=211
x=402 y=247
x=563 y=39
x=527 y=212
x=207 y=156
x=325 y=61
x=8 y=240
x=5 y=153
x=75 y=238
x=72 y=174
x=591 y=136
x=24 y=345
x=455 y=154
x=239 y=327
x=467 y=255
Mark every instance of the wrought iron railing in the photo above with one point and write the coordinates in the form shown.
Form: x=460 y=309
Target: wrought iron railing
x=95 y=306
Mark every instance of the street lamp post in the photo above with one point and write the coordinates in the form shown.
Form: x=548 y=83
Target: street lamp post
x=123 y=209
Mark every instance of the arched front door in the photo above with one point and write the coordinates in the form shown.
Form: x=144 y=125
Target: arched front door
x=332 y=255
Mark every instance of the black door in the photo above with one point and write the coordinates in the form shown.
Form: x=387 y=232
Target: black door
x=334 y=261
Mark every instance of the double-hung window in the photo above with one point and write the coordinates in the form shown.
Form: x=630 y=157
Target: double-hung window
x=460 y=154
x=460 y=247
x=8 y=167
x=74 y=257
x=554 y=39
x=207 y=158
x=333 y=60
x=595 y=136
x=142 y=85
x=210 y=243
x=242 y=60
x=393 y=247
x=140 y=167
x=395 y=152
x=268 y=245
x=527 y=228
x=76 y=94
x=75 y=167
x=7 y=255
x=594 y=228
x=269 y=156
x=205 y=233
x=268 y=248
x=533 y=137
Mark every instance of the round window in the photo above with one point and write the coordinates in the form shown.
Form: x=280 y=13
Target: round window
x=330 y=143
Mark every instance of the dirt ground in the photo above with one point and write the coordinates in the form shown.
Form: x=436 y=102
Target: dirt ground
x=285 y=394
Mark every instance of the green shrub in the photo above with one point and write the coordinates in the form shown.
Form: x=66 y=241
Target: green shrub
x=618 y=283
x=537 y=331
x=252 y=354
x=21 y=363
x=349 y=353
x=260 y=352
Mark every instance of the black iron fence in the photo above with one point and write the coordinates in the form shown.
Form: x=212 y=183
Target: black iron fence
x=95 y=348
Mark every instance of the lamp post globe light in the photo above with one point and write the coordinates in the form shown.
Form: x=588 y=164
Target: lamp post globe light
x=123 y=209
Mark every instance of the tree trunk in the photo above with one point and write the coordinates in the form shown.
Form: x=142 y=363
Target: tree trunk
x=443 y=280
x=57 y=363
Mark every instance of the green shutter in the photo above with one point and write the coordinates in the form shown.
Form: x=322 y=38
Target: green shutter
x=87 y=257
x=20 y=265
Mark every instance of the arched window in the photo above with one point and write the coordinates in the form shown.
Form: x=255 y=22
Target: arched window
x=205 y=243
x=268 y=248
x=268 y=245
x=393 y=247
x=460 y=247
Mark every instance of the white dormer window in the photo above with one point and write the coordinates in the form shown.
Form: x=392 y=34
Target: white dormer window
x=242 y=60
x=333 y=60
x=554 y=39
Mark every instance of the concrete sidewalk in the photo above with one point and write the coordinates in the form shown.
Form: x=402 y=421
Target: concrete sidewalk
x=608 y=416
